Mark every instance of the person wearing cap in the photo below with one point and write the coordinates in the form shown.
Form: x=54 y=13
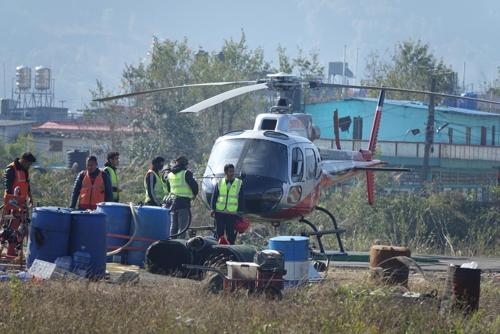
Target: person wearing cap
x=16 y=175
x=167 y=169
x=227 y=204
x=153 y=184
x=110 y=168
x=91 y=186
x=182 y=188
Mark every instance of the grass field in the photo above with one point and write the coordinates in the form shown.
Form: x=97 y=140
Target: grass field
x=348 y=301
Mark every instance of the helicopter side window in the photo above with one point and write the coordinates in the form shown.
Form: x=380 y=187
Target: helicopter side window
x=297 y=164
x=310 y=163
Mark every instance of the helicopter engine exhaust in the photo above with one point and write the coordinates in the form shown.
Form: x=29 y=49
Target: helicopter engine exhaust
x=315 y=132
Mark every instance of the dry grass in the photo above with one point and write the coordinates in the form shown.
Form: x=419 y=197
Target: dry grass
x=345 y=303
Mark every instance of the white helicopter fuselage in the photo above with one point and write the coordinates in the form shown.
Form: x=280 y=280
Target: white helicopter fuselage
x=283 y=172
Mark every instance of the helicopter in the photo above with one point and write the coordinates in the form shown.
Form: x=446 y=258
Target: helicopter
x=283 y=171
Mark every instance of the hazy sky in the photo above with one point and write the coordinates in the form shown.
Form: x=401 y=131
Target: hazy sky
x=91 y=40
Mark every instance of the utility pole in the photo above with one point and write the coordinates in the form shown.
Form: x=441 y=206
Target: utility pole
x=4 y=93
x=429 y=131
x=62 y=103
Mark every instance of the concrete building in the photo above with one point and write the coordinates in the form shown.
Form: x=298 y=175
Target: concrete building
x=10 y=130
x=61 y=137
x=464 y=156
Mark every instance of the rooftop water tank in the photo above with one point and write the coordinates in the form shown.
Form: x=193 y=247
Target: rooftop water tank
x=468 y=104
x=6 y=105
x=42 y=78
x=79 y=157
x=23 y=77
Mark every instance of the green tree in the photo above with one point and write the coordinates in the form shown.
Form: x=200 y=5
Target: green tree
x=115 y=116
x=158 y=127
x=239 y=63
x=412 y=65
x=308 y=67
x=491 y=90
x=23 y=143
x=285 y=65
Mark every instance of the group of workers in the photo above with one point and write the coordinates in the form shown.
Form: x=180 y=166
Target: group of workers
x=170 y=186
x=174 y=189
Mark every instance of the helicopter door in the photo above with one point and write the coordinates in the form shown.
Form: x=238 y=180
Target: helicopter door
x=296 y=174
x=313 y=167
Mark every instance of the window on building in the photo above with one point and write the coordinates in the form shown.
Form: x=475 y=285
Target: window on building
x=358 y=128
x=450 y=135
x=493 y=135
x=483 y=135
x=467 y=135
x=55 y=146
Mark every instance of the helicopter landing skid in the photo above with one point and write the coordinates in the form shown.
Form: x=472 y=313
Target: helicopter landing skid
x=338 y=231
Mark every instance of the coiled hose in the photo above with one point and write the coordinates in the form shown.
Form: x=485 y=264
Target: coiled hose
x=116 y=251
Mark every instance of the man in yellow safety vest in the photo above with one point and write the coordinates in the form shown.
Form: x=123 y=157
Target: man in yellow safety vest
x=228 y=202
x=182 y=189
x=153 y=184
x=110 y=168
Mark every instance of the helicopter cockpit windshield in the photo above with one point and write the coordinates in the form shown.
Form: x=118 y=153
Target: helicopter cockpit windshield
x=258 y=157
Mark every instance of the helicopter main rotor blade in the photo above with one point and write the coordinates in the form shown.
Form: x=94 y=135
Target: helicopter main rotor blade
x=324 y=85
x=223 y=97
x=116 y=97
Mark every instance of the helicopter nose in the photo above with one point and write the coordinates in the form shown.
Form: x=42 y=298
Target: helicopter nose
x=262 y=194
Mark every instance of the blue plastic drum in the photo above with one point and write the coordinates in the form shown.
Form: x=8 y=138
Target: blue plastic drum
x=154 y=225
x=119 y=216
x=89 y=230
x=296 y=251
x=49 y=234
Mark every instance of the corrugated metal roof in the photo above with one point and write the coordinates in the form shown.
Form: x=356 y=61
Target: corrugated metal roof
x=76 y=126
x=424 y=105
